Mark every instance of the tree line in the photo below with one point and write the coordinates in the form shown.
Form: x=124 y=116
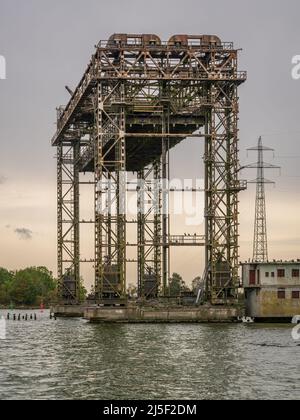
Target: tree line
x=29 y=287
x=177 y=286
x=35 y=285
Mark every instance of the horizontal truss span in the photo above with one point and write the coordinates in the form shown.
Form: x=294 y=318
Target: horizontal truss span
x=159 y=63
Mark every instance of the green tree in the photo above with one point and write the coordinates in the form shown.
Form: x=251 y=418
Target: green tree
x=196 y=283
x=82 y=291
x=132 y=290
x=176 y=285
x=6 y=278
x=32 y=286
x=5 y=275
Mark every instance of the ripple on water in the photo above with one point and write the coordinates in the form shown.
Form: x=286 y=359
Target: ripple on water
x=71 y=359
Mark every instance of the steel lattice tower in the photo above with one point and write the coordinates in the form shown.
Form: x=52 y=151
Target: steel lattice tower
x=260 y=242
x=138 y=98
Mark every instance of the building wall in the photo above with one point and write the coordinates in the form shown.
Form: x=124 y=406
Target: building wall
x=268 y=274
x=271 y=305
x=264 y=303
x=272 y=296
x=252 y=303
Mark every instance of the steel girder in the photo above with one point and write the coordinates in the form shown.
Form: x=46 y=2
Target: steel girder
x=68 y=232
x=131 y=88
x=110 y=194
x=222 y=188
x=149 y=205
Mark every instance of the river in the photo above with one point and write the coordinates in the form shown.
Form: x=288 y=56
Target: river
x=72 y=359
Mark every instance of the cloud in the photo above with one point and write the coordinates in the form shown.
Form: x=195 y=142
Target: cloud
x=24 y=234
x=3 y=179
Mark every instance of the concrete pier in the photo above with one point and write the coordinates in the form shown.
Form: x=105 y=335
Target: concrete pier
x=143 y=314
x=68 y=311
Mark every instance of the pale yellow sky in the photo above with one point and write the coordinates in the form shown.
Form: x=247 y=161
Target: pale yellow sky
x=26 y=205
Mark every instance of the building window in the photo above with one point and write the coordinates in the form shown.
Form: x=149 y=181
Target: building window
x=295 y=273
x=295 y=294
x=267 y=274
x=280 y=273
x=273 y=274
x=281 y=294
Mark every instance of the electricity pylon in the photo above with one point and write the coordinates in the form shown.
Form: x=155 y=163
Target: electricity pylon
x=260 y=243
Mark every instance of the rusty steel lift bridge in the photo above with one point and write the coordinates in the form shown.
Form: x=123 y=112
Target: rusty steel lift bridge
x=138 y=98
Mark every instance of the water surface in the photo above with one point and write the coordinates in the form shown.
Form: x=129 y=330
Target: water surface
x=72 y=359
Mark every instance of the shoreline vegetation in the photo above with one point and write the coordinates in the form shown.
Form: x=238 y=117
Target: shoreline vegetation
x=30 y=288
x=35 y=288
x=24 y=308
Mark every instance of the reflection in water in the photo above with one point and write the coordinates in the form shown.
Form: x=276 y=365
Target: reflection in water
x=71 y=359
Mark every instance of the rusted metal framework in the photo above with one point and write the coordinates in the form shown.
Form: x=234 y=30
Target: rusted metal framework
x=68 y=155
x=149 y=230
x=139 y=98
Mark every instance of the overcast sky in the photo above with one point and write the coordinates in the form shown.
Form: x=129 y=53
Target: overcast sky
x=48 y=43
